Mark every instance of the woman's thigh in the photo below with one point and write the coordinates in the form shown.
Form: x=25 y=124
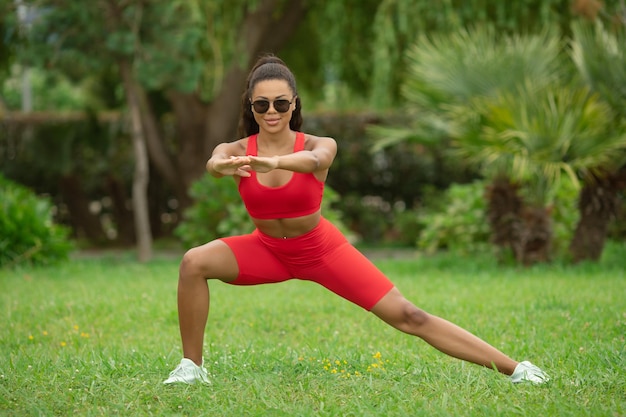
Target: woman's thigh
x=256 y=263
x=349 y=274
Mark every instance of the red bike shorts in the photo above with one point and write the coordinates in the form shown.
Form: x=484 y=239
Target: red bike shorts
x=322 y=255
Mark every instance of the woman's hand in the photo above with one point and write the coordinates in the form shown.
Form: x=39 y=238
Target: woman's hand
x=263 y=163
x=233 y=165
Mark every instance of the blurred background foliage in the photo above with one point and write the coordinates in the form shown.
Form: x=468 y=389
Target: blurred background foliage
x=450 y=117
x=28 y=234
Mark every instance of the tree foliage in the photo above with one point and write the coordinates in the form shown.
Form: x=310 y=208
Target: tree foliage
x=600 y=56
x=363 y=44
x=170 y=43
x=189 y=58
x=190 y=45
x=192 y=56
x=536 y=135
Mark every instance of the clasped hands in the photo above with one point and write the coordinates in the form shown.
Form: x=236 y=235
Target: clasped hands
x=242 y=165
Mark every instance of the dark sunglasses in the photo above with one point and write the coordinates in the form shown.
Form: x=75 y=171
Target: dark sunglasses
x=281 y=105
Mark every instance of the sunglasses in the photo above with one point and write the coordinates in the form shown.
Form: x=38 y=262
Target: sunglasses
x=281 y=105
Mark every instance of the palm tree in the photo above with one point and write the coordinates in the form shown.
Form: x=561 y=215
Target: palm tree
x=600 y=58
x=504 y=103
x=536 y=136
x=449 y=71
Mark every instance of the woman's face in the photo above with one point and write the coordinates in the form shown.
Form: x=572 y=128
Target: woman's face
x=275 y=93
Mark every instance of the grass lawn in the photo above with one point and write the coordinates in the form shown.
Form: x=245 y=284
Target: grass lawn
x=96 y=337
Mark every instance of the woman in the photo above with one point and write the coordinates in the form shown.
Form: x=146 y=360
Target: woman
x=280 y=173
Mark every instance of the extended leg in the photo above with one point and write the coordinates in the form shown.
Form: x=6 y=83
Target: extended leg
x=447 y=337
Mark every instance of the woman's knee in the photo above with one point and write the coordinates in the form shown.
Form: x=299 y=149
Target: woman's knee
x=213 y=260
x=412 y=318
x=192 y=263
x=416 y=316
x=401 y=313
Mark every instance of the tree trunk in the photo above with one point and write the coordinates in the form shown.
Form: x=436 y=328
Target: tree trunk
x=504 y=207
x=141 y=175
x=525 y=231
x=533 y=241
x=598 y=204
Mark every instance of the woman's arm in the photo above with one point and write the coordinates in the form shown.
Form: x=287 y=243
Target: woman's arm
x=318 y=157
x=226 y=159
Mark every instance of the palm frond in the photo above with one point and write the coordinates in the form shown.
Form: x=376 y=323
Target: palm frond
x=387 y=136
x=448 y=70
x=600 y=57
x=455 y=67
x=538 y=135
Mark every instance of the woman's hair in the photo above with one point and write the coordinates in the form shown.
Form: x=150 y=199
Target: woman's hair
x=268 y=67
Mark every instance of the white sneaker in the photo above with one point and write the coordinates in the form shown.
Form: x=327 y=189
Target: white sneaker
x=527 y=372
x=189 y=373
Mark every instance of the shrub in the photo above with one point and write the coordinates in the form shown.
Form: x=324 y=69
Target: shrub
x=27 y=233
x=407 y=227
x=456 y=221
x=370 y=216
x=218 y=211
x=215 y=200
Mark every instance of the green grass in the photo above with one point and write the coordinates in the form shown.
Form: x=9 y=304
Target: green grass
x=96 y=337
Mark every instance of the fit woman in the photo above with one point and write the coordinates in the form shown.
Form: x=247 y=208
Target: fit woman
x=280 y=173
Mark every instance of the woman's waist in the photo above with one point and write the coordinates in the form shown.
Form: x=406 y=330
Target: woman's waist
x=307 y=249
x=321 y=240
x=288 y=227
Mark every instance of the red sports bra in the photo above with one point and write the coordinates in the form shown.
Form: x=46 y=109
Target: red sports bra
x=300 y=196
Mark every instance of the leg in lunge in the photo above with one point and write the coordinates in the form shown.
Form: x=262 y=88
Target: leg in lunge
x=213 y=260
x=451 y=339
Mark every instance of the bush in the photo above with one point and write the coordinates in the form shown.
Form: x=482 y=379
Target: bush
x=218 y=211
x=27 y=233
x=456 y=221
x=370 y=216
x=215 y=201
x=407 y=227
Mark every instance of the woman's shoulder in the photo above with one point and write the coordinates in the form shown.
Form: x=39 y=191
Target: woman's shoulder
x=313 y=139
x=242 y=142
x=235 y=147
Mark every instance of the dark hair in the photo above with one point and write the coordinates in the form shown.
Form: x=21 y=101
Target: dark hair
x=268 y=67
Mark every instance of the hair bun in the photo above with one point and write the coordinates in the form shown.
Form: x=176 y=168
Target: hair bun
x=269 y=59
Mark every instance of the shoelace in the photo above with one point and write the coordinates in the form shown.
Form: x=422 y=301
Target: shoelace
x=178 y=368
